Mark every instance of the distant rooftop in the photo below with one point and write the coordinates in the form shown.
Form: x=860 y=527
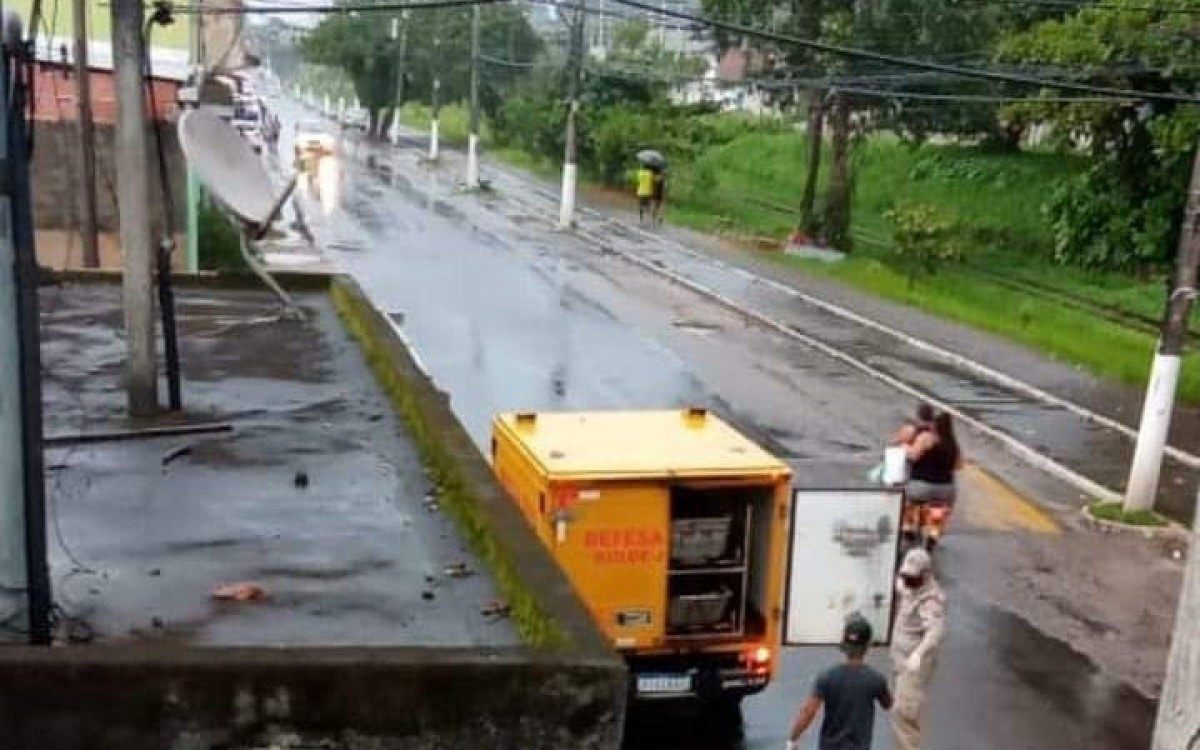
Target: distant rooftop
x=165 y=62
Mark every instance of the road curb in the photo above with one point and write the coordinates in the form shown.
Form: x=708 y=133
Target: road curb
x=545 y=609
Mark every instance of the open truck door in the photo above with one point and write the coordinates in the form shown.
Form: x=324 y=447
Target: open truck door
x=842 y=556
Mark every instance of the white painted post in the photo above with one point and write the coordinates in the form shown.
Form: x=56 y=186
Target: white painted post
x=433 y=139
x=566 y=209
x=1152 y=433
x=395 y=134
x=472 y=161
x=1164 y=373
x=1178 y=724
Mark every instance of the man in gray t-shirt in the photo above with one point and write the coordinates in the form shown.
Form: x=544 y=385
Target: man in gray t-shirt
x=848 y=692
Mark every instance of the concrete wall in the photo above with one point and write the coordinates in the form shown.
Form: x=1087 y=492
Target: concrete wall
x=104 y=698
x=55 y=171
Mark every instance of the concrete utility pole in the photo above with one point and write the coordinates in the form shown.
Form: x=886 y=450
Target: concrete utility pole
x=399 y=25
x=473 y=136
x=566 y=208
x=196 y=60
x=1142 y=487
x=435 y=105
x=133 y=195
x=87 y=140
x=1178 y=724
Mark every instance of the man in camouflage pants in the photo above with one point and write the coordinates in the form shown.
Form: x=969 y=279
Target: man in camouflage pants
x=916 y=636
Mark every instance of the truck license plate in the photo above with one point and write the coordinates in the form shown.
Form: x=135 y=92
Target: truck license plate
x=660 y=684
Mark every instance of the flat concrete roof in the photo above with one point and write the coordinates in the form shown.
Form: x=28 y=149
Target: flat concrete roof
x=356 y=557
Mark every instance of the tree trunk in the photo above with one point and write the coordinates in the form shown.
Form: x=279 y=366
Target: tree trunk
x=837 y=201
x=816 y=128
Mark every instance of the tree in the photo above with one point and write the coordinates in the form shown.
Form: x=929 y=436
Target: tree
x=930 y=29
x=360 y=43
x=923 y=240
x=1124 y=211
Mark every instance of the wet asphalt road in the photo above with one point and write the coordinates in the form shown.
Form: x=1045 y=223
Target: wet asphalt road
x=508 y=314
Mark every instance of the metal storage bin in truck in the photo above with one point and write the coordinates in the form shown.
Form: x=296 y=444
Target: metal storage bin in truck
x=674 y=529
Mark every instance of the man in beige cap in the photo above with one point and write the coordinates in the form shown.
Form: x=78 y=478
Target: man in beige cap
x=916 y=635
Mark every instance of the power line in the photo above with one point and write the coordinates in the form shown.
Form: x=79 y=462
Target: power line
x=979 y=98
x=1073 y=6
x=650 y=75
x=908 y=62
x=506 y=63
x=323 y=9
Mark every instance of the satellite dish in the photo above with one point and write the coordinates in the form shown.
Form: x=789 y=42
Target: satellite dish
x=233 y=173
x=227 y=166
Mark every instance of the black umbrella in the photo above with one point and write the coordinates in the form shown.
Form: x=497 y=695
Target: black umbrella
x=651 y=158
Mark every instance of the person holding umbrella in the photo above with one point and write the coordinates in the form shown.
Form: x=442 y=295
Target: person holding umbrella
x=651 y=184
x=645 y=192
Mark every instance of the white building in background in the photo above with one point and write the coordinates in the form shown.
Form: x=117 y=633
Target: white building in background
x=673 y=35
x=728 y=82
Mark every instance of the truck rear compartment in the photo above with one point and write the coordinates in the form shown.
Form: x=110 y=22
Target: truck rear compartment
x=717 y=570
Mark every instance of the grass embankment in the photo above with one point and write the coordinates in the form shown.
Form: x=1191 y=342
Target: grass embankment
x=1102 y=321
x=453 y=122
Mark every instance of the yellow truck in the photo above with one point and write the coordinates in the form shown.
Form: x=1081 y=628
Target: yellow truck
x=673 y=528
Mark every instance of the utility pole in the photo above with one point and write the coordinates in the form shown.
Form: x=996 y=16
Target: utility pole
x=196 y=60
x=435 y=102
x=87 y=139
x=473 y=136
x=1142 y=487
x=566 y=208
x=22 y=482
x=399 y=24
x=1178 y=724
x=133 y=196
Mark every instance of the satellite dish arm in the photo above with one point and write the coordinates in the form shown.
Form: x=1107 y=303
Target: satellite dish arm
x=265 y=226
x=254 y=233
x=290 y=309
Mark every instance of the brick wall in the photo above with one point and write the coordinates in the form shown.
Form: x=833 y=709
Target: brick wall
x=55 y=171
x=54 y=95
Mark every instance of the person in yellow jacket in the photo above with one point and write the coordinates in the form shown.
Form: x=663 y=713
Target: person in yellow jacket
x=645 y=191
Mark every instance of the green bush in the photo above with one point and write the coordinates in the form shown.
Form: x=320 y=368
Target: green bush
x=219 y=240
x=924 y=238
x=610 y=136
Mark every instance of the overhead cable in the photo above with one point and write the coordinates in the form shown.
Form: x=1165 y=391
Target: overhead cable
x=914 y=63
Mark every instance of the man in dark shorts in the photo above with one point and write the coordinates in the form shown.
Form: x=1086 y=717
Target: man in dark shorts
x=848 y=692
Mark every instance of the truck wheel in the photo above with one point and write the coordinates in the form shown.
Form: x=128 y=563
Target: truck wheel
x=725 y=715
